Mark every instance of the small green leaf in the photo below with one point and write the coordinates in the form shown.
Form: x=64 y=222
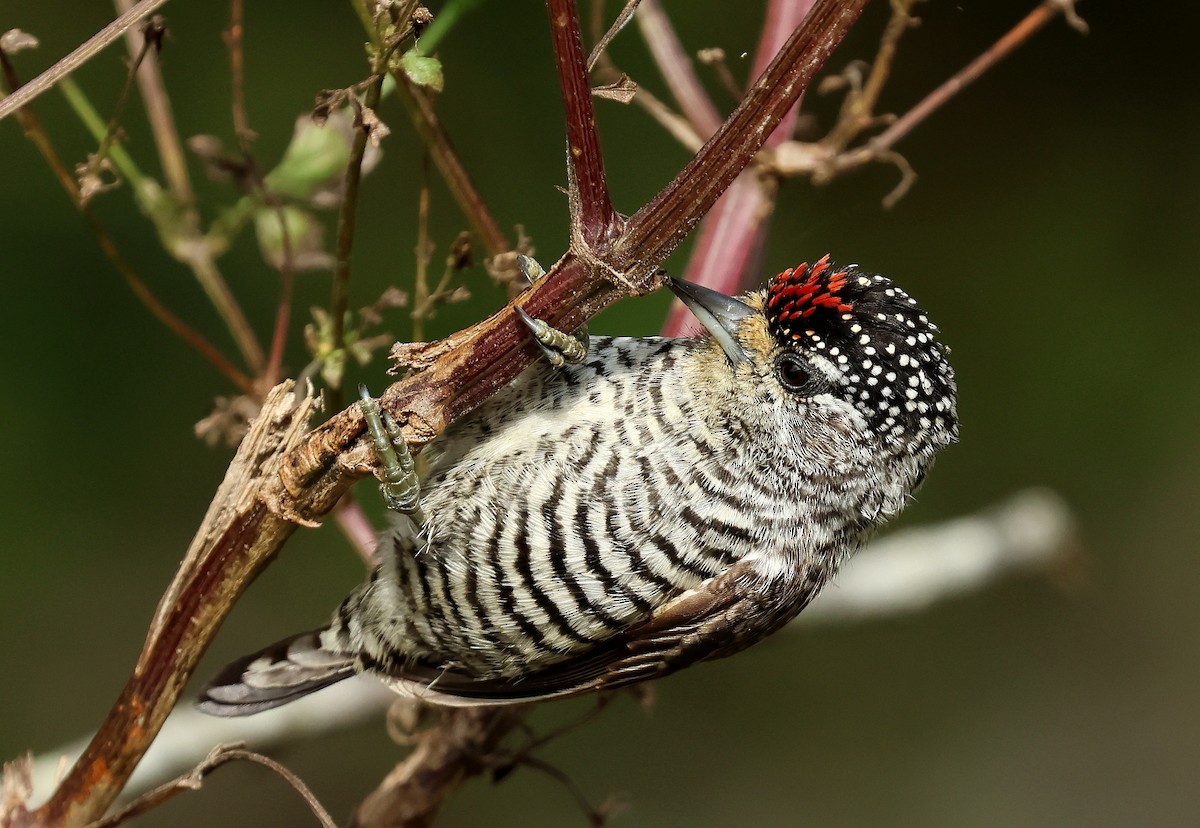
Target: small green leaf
x=423 y=71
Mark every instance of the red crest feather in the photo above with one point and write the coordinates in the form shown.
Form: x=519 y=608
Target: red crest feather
x=798 y=292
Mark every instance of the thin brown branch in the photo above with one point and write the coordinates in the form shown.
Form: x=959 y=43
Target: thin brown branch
x=444 y=757
x=160 y=115
x=191 y=248
x=348 y=213
x=462 y=188
x=295 y=479
x=112 y=129
x=234 y=40
x=235 y=37
x=220 y=755
x=621 y=21
x=1003 y=47
x=79 y=56
x=37 y=135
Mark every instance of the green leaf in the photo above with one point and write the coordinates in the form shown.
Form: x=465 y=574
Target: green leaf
x=421 y=70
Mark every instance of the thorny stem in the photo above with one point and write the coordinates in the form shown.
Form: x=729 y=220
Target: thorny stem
x=594 y=223
x=37 y=135
x=315 y=469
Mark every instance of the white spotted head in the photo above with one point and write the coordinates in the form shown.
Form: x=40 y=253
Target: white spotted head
x=839 y=364
x=872 y=345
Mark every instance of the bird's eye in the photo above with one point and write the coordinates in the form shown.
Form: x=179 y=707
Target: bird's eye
x=794 y=373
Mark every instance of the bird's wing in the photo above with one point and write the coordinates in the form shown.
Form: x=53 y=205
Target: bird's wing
x=718 y=618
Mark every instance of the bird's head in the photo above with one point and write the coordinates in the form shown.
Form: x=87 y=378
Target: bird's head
x=840 y=364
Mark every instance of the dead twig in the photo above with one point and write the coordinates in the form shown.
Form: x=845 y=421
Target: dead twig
x=81 y=55
x=220 y=755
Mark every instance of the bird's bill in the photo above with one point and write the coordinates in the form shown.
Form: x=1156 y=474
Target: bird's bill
x=721 y=315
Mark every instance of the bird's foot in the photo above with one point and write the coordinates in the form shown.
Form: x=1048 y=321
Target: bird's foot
x=400 y=487
x=559 y=347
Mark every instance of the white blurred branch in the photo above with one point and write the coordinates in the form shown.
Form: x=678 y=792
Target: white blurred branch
x=904 y=572
x=188 y=735
x=911 y=569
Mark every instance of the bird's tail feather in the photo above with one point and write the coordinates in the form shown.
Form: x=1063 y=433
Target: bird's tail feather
x=274 y=676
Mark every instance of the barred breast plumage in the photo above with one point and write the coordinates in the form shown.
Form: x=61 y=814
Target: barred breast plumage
x=665 y=501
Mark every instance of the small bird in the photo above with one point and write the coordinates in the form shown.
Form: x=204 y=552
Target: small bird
x=663 y=501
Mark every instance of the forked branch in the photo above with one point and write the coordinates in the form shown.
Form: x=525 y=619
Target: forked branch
x=298 y=479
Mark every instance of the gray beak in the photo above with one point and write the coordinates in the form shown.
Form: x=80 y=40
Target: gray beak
x=719 y=313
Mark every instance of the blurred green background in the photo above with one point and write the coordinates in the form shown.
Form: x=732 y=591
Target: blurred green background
x=1053 y=234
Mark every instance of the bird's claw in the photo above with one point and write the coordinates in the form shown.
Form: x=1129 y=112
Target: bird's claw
x=560 y=348
x=400 y=486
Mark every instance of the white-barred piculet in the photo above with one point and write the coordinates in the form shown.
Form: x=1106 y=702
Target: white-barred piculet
x=663 y=502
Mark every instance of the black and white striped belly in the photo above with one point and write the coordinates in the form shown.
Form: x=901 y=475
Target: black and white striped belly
x=570 y=507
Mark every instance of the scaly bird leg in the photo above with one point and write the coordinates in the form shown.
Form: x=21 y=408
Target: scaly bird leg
x=400 y=487
x=560 y=348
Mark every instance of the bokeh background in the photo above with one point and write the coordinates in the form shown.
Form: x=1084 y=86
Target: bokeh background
x=1053 y=234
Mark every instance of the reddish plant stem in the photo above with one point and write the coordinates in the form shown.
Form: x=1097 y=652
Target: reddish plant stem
x=593 y=219
x=732 y=235
x=659 y=226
